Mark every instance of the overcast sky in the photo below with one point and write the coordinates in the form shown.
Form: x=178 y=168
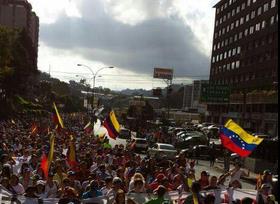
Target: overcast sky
x=134 y=36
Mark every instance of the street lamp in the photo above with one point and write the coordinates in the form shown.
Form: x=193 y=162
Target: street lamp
x=94 y=77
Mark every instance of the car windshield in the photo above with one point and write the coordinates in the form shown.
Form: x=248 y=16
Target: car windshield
x=168 y=147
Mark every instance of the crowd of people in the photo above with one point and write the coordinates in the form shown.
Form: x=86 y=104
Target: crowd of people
x=103 y=171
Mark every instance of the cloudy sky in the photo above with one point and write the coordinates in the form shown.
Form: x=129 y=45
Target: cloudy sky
x=134 y=36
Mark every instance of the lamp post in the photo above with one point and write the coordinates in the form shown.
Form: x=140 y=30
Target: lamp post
x=94 y=77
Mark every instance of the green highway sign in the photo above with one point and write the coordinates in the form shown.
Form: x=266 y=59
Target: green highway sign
x=214 y=93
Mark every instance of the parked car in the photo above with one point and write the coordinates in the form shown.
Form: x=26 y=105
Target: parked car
x=125 y=134
x=140 y=144
x=162 y=149
x=201 y=151
x=191 y=141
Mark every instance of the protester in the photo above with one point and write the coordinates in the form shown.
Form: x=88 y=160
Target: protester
x=101 y=171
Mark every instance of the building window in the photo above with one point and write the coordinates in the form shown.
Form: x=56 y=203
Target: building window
x=271 y=20
x=230 y=40
x=231 y=26
x=218 y=10
x=221 y=20
x=223 y=31
x=254 y=1
x=224 y=18
x=213 y=60
x=218 y=45
x=273 y=3
x=217 y=23
x=246 y=32
x=265 y=7
x=259 y=12
x=226 y=5
x=229 y=53
x=217 y=58
x=221 y=57
x=247 y=17
x=214 y=47
x=253 y=13
x=225 y=55
x=228 y=66
x=251 y=29
x=224 y=68
x=235 y=37
x=263 y=24
x=228 y=28
x=237 y=64
x=232 y=65
x=236 y=23
x=258 y=26
x=230 y=1
x=276 y=17
x=228 y=15
x=242 y=6
x=238 y=50
x=240 y=35
x=238 y=9
x=233 y=51
x=233 y=12
x=241 y=20
x=248 y=2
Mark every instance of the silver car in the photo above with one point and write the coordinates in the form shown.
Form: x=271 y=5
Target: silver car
x=162 y=149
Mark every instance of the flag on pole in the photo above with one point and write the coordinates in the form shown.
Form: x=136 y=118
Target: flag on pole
x=45 y=165
x=112 y=125
x=71 y=154
x=237 y=140
x=46 y=161
x=57 y=119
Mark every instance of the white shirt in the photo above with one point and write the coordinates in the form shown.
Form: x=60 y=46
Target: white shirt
x=236 y=175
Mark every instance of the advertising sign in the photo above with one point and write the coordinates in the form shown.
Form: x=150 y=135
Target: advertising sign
x=163 y=73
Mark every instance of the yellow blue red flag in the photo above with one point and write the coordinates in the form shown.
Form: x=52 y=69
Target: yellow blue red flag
x=237 y=140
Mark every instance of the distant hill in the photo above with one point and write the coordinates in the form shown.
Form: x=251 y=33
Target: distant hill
x=131 y=92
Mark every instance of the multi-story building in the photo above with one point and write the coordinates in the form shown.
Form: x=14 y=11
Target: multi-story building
x=191 y=100
x=18 y=14
x=245 y=58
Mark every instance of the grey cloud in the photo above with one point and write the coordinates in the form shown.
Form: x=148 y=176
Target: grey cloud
x=163 y=42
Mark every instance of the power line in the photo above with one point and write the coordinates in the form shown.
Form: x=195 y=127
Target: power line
x=130 y=75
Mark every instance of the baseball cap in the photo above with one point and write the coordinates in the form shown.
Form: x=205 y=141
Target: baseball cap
x=117 y=180
x=40 y=182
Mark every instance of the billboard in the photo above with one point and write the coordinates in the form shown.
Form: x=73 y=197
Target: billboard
x=214 y=93
x=163 y=73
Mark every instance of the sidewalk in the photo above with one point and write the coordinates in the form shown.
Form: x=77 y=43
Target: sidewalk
x=252 y=179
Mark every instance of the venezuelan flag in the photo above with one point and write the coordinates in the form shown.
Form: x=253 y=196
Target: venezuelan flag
x=112 y=125
x=237 y=140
